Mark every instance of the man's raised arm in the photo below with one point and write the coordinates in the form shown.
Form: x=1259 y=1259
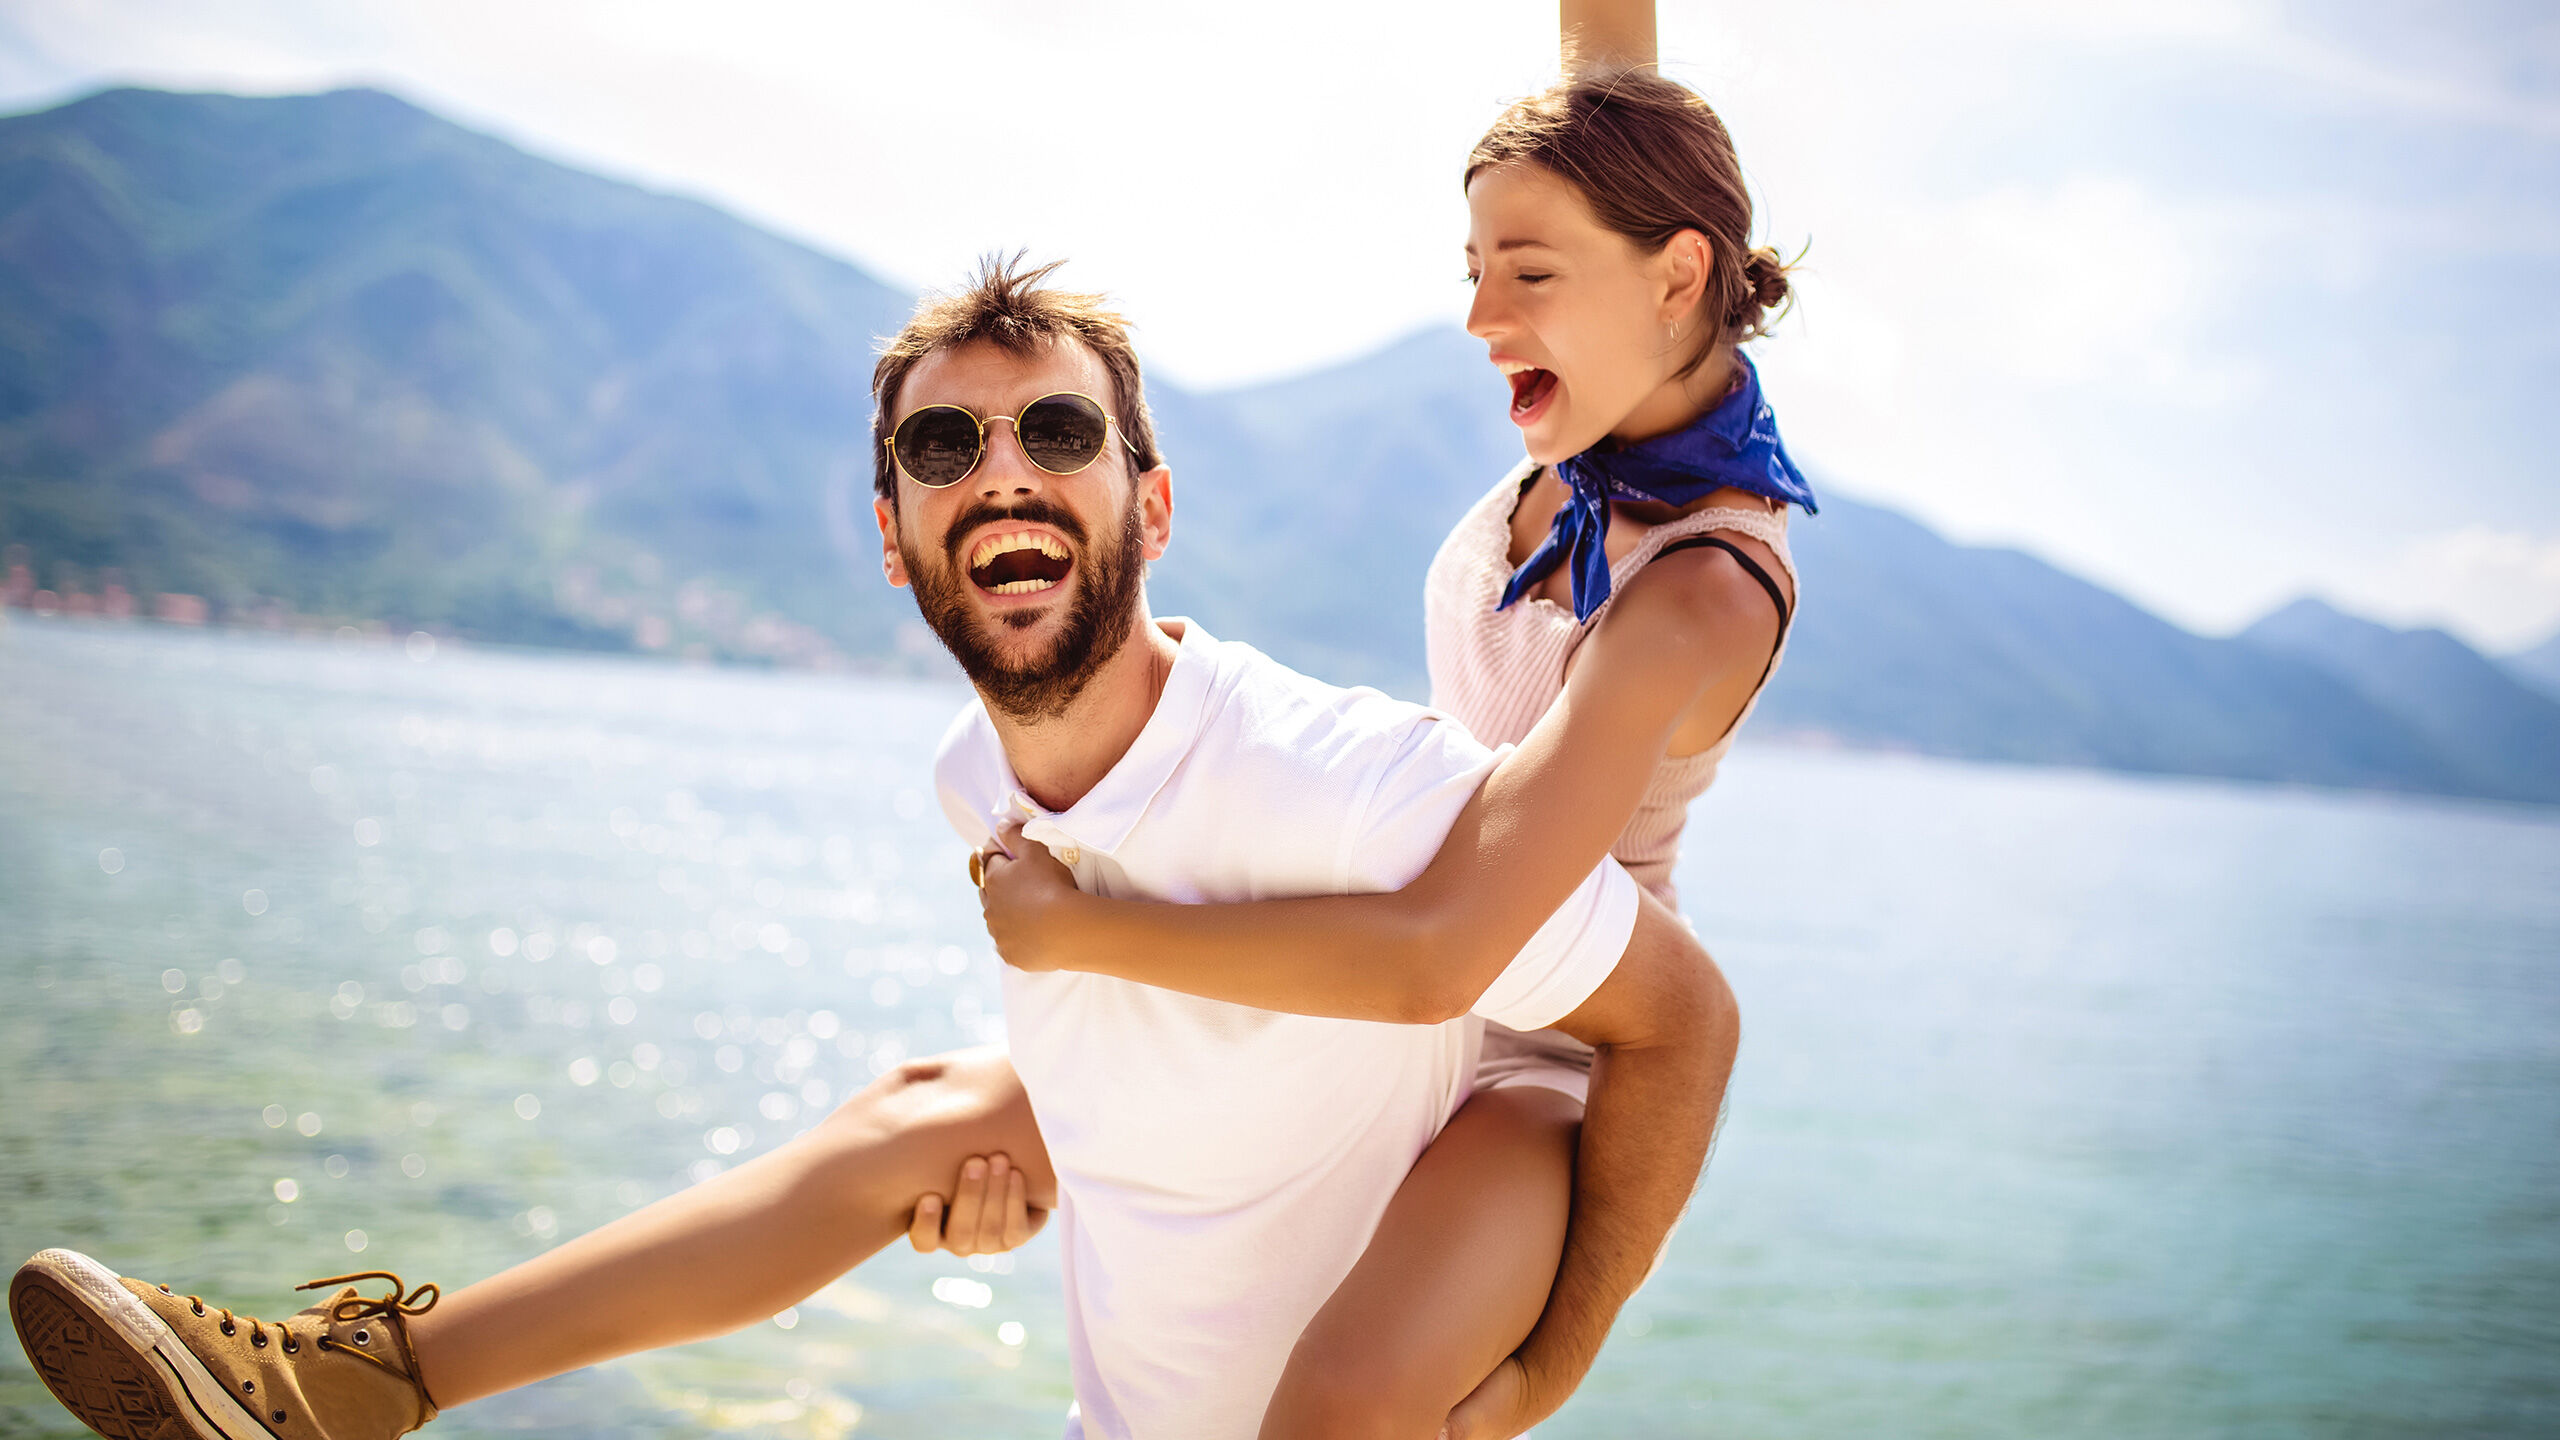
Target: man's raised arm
x=1666 y=1027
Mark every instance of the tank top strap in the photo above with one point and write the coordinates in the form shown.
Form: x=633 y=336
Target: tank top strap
x=1767 y=527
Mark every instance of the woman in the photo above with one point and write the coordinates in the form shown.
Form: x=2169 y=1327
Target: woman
x=1616 y=306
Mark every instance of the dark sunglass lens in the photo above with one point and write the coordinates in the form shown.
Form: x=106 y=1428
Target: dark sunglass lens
x=1063 y=433
x=937 y=445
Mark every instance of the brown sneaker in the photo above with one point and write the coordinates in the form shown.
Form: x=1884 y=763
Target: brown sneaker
x=139 y=1362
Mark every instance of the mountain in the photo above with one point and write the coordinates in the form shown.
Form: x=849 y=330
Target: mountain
x=338 y=352
x=330 y=358
x=2538 y=667
x=2505 y=735
x=1911 y=640
x=1905 y=640
x=1366 y=466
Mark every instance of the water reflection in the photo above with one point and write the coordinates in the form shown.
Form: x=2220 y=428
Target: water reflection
x=2069 y=1105
x=541 y=946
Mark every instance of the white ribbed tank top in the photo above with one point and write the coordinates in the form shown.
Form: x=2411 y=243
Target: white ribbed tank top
x=1499 y=670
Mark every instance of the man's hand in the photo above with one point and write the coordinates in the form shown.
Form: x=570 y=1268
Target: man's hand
x=990 y=1210
x=1021 y=899
x=1498 y=1409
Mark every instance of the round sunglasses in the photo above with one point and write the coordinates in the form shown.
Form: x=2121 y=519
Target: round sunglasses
x=1062 y=433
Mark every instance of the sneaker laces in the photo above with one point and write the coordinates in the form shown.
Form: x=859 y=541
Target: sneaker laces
x=231 y=1323
x=394 y=1308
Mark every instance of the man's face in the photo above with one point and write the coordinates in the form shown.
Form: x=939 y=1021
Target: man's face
x=1033 y=581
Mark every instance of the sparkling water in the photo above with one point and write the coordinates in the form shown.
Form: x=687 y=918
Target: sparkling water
x=2069 y=1104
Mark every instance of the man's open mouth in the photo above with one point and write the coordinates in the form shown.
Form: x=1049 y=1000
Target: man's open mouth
x=1018 y=562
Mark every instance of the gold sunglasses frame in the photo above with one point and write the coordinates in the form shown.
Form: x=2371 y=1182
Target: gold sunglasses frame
x=1110 y=426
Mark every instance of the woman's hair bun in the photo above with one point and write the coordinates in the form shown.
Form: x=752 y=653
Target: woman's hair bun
x=1764 y=292
x=1766 y=272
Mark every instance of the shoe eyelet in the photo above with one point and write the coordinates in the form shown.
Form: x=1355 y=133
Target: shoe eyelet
x=364 y=1337
x=259 y=1340
x=195 y=1305
x=279 y=1417
x=290 y=1348
x=230 y=1329
x=324 y=1342
x=165 y=1290
x=248 y=1387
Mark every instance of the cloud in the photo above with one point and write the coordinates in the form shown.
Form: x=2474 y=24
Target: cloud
x=2499 y=587
x=2091 y=281
x=2463 y=84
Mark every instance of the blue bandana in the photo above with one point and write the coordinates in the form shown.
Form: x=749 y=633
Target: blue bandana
x=1736 y=444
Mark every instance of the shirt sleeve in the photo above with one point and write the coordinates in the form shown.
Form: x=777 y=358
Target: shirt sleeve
x=1415 y=798
x=1571 y=954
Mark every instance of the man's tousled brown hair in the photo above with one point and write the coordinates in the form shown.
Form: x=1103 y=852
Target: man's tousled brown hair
x=1004 y=304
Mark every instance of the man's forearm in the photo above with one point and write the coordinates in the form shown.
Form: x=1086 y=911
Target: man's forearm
x=1645 y=1133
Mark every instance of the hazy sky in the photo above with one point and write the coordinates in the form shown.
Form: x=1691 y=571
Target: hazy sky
x=2217 y=303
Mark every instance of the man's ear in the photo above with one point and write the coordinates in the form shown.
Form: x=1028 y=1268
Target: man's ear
x=1155 y=509
x=893 y=566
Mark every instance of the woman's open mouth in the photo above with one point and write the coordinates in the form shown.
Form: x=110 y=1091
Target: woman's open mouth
x=1020 y=562
x=1531 y=390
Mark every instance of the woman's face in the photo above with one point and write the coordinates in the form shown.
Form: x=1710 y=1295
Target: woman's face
x=1579 y=317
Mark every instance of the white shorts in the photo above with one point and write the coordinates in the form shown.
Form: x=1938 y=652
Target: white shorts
x=1549 y=1059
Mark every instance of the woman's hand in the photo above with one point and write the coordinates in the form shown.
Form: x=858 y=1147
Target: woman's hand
x=1023 y=899
x=990 y=1210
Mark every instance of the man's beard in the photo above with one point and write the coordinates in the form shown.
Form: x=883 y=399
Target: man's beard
x=1108 y=579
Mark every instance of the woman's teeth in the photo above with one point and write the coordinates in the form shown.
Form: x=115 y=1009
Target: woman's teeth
x=1529 y=386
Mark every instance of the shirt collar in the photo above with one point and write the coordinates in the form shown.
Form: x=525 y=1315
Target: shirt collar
x=1102 y=820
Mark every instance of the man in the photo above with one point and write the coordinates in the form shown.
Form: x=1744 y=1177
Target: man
x=1223 y=1167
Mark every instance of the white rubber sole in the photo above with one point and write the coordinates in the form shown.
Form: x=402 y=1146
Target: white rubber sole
x=114 y=1363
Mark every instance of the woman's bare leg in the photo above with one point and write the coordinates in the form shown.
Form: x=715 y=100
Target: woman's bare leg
x=742 y=1246
x=1452 y=1282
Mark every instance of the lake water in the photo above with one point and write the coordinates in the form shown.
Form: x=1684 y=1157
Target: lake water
x=2069 y=1105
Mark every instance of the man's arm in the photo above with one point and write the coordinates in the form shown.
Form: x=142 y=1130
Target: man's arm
x=1666 y=1028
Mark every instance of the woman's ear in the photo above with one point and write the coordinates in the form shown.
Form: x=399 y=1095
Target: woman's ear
x=1687 y=262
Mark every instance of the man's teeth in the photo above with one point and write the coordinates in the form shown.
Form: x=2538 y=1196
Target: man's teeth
x=1020 y=587
x=995 y=545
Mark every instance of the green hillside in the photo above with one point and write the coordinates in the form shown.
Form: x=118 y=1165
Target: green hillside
x=335 y=353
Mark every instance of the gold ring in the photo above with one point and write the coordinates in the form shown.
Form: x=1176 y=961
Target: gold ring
x=978 y=868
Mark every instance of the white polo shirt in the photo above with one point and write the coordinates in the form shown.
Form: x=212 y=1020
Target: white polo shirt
x=1222 y=1167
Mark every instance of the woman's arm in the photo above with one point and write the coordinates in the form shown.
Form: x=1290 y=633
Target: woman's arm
x=1606 y=33
x=1682 y=629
